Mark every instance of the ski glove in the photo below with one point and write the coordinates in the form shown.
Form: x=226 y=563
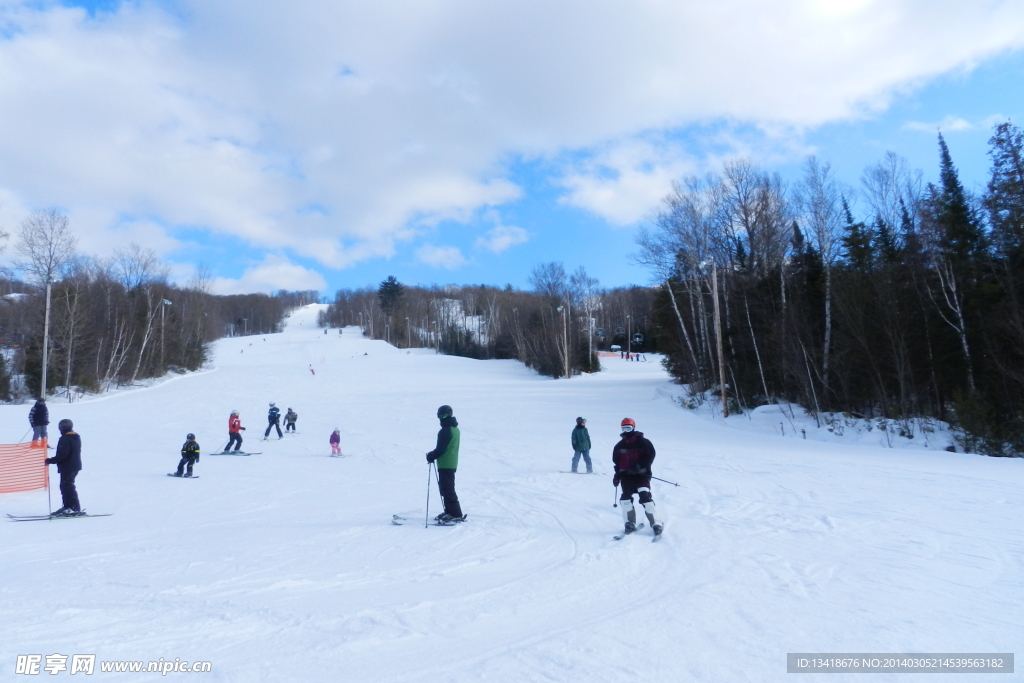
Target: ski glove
x=431 y=459
x=615 y=479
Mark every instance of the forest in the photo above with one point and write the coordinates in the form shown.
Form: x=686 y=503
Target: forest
x=113 y=322
x=910 y=310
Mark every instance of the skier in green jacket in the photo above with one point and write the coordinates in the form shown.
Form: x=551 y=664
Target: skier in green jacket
x=581 y=445
x=446 y=455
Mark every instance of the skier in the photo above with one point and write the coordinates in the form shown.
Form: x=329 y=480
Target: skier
x=633 y=456
x=234 y=427
x=39 y=417
x=336 y=442
x=581 y=445
x=189 y=456
x=446 y=454
x=289 y=420
x=68 y=460
x=274 y=418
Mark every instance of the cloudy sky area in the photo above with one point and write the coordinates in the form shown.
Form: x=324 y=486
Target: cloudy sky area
x=330 y=143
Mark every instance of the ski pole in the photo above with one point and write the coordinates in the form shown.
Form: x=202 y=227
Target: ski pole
x=426 y=516
x=24 y=435
x=616 y=503
x=666 y=481
x=49 y=503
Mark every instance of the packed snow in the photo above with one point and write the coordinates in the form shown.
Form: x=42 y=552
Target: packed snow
x=284 y=566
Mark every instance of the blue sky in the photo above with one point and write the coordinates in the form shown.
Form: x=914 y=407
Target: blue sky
x=333 y=143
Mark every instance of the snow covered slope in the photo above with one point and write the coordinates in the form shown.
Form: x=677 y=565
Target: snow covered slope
x=284 y=566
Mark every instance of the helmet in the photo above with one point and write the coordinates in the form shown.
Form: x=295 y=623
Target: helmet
x=580 y=420
x=271 y=405
x=444 y=411
x=234 y=412
x=190 y=437
x=337 y=429
x=628 y=425
x=65 y=426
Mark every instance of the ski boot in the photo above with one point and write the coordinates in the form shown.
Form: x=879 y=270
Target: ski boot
x=630 y=527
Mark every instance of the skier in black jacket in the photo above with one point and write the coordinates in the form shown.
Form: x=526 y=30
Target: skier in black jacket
x=633 y=456
x=39 y=417
x=290 y=417
x=68 y=460
x=189 y=456
x=274 y=418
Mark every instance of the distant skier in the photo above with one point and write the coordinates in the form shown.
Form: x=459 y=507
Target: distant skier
x=581 y=445
x=336 y=442
x=633 y=456
x=189 y=456
x=446 y=455
x=68 y=460
x=289 y=420
x=234 y=432
x=274 y=420
x=311 y=370
x=39 y=417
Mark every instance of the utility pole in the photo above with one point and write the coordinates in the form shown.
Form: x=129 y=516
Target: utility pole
x=718 y=332
x=408 y=333
x=629 y=338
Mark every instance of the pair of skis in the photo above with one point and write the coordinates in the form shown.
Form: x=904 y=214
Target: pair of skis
x=398 y=520
x=619 y=537
x=236 y=453
x=38 y=518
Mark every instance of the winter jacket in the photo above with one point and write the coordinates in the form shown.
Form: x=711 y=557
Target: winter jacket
x=447 y=452
x=234 y=424
x=190 y=450
x=274 y=414
x=633 y=454
x=580 y=439
x=68 y=457
x=39 y=415
x=290 y=417
x=335 y=437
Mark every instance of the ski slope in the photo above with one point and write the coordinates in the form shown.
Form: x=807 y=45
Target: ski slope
x=284 y=566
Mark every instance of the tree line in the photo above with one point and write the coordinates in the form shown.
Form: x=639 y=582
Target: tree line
x=907 y=309
x=112 y=321
x=557 y=328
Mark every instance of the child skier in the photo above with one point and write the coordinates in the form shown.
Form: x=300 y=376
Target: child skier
x=446 y=454
x=581 y=445
x=234 y=427
x=68 y=460
x=336 y=442
x=189 y=456
x=633 y=456
x=289 y=420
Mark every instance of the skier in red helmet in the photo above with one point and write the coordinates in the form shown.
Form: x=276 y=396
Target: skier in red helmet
x=633 y=456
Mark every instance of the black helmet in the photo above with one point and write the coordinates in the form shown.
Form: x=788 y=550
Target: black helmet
x=65 y=426
x=190 y=437
x=444 y=411
x=580 y=420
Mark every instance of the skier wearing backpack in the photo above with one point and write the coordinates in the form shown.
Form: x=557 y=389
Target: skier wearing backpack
x=633 y=456
x=274 y=420
x=446 y=455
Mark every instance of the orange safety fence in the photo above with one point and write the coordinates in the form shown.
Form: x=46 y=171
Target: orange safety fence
x=23 y=467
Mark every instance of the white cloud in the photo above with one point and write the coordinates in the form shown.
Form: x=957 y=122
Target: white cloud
x=236 y=117
x=500 y=237
x=274 y=273
x=954 y=124
x=449 y=258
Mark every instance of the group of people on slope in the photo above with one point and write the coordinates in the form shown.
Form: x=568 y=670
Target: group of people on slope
x=632 y=456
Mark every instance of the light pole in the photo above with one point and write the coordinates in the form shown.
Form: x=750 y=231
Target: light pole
x=408 y=333
x=46 y=337
x=565 y=342
x=629 y=338
x=163 y=307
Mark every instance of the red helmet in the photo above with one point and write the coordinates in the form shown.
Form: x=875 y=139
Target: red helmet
x=627 y=424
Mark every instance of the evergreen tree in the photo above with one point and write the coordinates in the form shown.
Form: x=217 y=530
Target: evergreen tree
x=961 y=237
x=1005 y=197
x=390 y=294
x=857 y=240
x=885 y=244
